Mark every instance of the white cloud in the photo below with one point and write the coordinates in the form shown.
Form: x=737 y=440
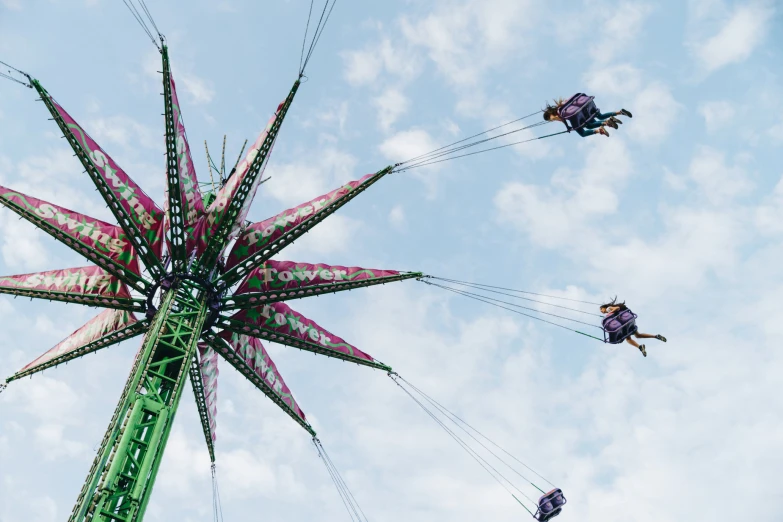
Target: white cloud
x=391 y=104
x=769 y=214
x=300 y=181
x=561 y=213
x=407 y=144
x=12 y=5
x=124 y=131
x=614 y=80
x=741 y=34
x=198 y=88
x=464 y=40
x=620 y=31
x=654 y=113
x=364 y=66
x=719 y=182
x=397 y=217
x=717 y=114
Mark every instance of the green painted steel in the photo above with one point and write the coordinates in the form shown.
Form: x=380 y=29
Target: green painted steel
x=176 y=212
x=197 y=383
x=219 y=238
x=119 y=485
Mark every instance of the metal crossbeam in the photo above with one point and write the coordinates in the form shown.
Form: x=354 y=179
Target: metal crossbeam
x=118 y=489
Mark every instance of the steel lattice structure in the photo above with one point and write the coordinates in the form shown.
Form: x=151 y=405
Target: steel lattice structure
x=197 y=298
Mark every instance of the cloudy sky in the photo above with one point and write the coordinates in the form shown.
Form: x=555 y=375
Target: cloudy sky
x=680 y=212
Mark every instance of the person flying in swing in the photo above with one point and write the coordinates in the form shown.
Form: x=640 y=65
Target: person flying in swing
x=620 y=324
x=583 y=116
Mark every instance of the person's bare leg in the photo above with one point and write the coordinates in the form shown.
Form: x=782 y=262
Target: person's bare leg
x=637 y=345
x=649 y=336
x=643 y=336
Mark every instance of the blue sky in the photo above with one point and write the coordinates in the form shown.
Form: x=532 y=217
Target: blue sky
x=679 y=213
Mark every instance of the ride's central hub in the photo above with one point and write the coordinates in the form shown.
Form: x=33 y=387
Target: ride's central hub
x=212 y=292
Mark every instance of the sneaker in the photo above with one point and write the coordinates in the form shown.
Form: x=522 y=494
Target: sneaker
x=626 y=113
x=615 y=120
x=602 y=130
x=660 y=338
x=612 y=123
x=642 y=349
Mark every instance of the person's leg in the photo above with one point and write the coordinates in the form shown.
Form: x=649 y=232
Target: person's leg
x=650 y=336
x=592 y=124
x=640 y=335
x=637 y=345
x=585 y=132
x=605 y=115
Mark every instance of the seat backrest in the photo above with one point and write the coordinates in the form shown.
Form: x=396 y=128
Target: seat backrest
x=578 y=110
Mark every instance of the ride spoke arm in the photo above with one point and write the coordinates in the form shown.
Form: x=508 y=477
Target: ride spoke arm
x=129 y=205
x=90 y=285
x=292 y=329
x=109 y=339
x=197 y=383
x=88 y=237
x=287 y=227
x=246 y=185
x=176 y=210
x=224 y=349
x=254 y=298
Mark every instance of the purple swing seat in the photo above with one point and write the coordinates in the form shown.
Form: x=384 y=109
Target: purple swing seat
x=550 y=505
x=619 y=326
x=578 y=111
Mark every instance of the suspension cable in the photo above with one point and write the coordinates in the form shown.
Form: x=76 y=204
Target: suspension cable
x=470 y=137
x=140 y=19
x=489 y=468
x=349 y=501
x=319 y=29
x=511 y=290
x=464 y=292
x=477 y=287
x=447 y=152
x=448 y=412
x=480 y=151
x=304 y=38
x=217 y=508
x=9 y=77
x=482 y=299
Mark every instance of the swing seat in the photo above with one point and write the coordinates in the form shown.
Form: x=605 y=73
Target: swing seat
x=619 y=326
x=550 y=505
x=578 y=111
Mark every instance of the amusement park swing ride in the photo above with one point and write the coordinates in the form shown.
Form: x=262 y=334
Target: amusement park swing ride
x=200 y=284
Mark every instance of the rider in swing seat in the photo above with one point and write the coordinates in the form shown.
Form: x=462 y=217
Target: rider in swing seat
x=580 y=114
x=619 y=325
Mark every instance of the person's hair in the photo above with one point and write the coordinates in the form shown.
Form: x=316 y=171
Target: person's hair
x=614 y=302
x=550 y=111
